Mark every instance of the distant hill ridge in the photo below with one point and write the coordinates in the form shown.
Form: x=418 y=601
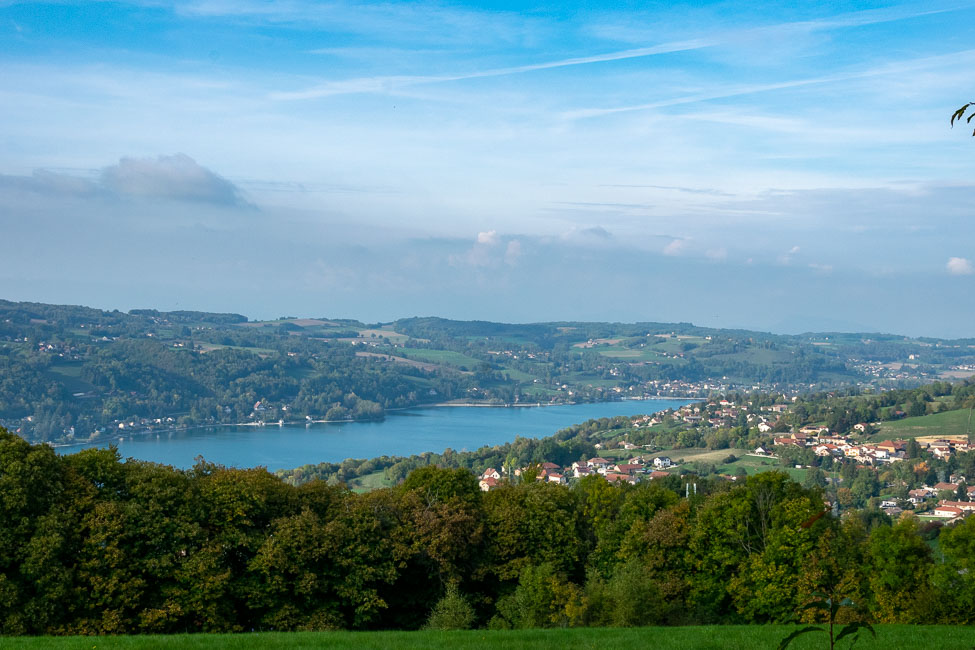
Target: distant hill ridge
x=68 y=373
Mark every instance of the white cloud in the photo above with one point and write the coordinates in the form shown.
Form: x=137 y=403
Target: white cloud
x=959 y=266
x=176 y=177
x=675 y=247
x=488 y=238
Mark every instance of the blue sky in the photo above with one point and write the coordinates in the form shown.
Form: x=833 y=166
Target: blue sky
x=779 y=166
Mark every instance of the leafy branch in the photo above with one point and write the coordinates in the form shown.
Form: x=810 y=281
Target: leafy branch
x=960 y=114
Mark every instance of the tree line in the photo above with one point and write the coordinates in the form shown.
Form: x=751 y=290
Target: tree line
x=93 y=545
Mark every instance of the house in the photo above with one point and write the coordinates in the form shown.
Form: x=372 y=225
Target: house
x=813 y=430
x=764 y=427
x=940 y=449
x=762 y=451
x=490 y=472
x=662 y=462
x=942 y=486
x=628 y=468
x=658 y=474
x=918 y=496
x=964 y=506
x=947 y=511
x=550 y=476
x=827 y=450
x=487 y=484
x=613 y=477
x=893 y=446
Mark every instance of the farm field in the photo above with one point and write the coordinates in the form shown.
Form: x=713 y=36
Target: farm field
x=441 y=357
x=751 y=464
x=732 y=637
x=948 y=424
x=630 y=354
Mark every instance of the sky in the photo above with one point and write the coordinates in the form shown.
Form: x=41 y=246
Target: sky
x=779 y=166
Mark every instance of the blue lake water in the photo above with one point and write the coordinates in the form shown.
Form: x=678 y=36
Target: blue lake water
x=402 y=433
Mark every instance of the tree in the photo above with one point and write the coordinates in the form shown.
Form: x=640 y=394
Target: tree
x=954 y=577
x=544 y=598
x=452 y=612
x=899 y=561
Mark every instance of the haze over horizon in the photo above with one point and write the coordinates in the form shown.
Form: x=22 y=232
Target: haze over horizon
x=767 y=167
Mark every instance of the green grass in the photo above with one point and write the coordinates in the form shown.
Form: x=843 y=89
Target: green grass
x=519 y=375
x=210 y=347
x=441 y=357
x=630 y=354
x=759 y=356
x=947 y=423
x=369 y=482
x=734 y=637
x=69 y=374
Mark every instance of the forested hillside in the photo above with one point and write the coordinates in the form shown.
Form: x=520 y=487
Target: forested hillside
x=91 y=545
x=75 y=373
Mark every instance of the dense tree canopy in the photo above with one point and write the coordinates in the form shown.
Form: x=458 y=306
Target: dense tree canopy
x=90 y=545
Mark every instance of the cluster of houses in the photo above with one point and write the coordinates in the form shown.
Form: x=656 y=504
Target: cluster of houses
x=824 y=443
x=947 y=508
x=632 y=471
x=724 y=413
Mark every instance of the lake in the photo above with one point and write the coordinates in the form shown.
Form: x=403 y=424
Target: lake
x=401 y=433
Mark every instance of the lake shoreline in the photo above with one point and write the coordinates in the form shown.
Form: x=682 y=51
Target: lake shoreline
x=418 y=430
x=146 y=432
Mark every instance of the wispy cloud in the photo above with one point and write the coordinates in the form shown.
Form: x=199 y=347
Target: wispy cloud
x=726 y=92
x=391 y=83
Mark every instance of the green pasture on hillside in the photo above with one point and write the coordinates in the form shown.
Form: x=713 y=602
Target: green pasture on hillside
x=441 y=357
x=733 y=637
x=950 y=424
x=630 y=354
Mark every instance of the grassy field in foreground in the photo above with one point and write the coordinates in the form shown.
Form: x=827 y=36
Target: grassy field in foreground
x=902 y=637
x=950 y=424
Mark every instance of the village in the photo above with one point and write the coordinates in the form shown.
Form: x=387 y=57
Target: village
x=948 y=500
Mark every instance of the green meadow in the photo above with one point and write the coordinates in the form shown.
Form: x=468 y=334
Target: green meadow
x=735 y=637
x=950 y=424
